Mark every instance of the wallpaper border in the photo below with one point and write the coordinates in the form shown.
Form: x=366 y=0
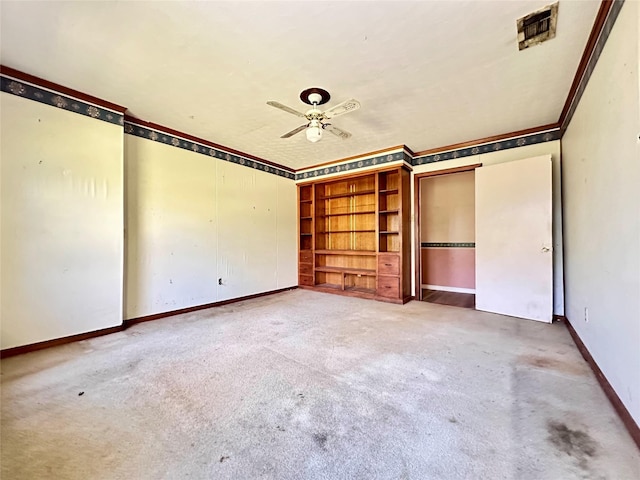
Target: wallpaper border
x=171 y=140
x=490 y=147
x=603 y=36
x=353 y=165
x=52 y=98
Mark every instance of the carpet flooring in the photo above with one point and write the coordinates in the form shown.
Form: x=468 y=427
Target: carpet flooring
x=306 y=385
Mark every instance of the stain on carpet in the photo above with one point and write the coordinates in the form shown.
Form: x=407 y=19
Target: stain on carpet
x=575 y=443
x=548 y=363
x=320 y=439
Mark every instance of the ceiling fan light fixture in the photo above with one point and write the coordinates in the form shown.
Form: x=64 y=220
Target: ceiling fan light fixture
x=316 y=118
x=314 y=131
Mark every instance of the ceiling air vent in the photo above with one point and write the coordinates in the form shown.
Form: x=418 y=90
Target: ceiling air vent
x=537 y=27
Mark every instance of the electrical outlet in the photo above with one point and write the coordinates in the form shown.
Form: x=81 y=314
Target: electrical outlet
x=586 y=314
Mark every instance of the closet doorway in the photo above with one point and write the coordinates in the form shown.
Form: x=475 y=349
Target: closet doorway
x=488 y=232
x=445 y=229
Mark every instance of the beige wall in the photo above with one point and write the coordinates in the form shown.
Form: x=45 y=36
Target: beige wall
x=62 y=222
x=189 y=220
x=448 y=208
x=509 y=155
x=193 y=219
x=601 y=179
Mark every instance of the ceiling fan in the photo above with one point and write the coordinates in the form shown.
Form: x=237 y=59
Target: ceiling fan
x=317 y=118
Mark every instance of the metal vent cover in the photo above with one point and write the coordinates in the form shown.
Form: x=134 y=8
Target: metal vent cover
x=537 y=27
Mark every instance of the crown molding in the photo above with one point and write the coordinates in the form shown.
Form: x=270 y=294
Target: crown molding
x=602 y=26
x=54 y=87
x=494 y=138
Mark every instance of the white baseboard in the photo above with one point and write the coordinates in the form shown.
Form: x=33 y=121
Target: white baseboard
x=449 y=289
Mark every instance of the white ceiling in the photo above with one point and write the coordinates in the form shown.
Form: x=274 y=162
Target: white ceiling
x=427 y=74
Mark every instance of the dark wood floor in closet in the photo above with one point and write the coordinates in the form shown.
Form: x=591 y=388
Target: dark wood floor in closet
x=464 y=300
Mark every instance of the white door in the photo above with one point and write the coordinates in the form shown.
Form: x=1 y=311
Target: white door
x=514 y=269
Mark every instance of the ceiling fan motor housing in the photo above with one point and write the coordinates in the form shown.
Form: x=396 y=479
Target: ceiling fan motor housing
x=315 y=98
x=314 y=114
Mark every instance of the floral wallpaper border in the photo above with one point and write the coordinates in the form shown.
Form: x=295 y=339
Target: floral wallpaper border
x=354 y=165
x=48 y=97
x=591 y=65
x=515 y=142
x=490 y=147
x=178 y=142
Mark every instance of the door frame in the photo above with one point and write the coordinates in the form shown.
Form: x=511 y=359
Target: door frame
x=416 y=202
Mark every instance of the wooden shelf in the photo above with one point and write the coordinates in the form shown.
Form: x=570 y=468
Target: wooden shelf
x=372 y=253
x=369 y=291
x=366 y=292
x=344 y=214
x=384 y=212
x=389 y=191
x=306 y=201
x=389 y=233
x=348 y=194
x=329 y=285
x=306 y=218
x=348 y=270
x=306 y=234
x=346 y=231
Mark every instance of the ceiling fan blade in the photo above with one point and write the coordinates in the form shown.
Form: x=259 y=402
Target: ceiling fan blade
x=342 y=108
x=293 y=132
x=338 y=132
x=286 y=109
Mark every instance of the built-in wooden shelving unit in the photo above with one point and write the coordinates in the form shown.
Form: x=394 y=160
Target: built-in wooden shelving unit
x=354 y=235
